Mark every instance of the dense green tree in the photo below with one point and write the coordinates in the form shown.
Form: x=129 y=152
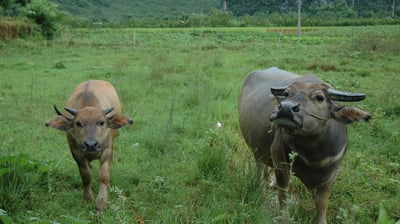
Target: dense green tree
x=318 y=8
x=45 y=14
x=42 y=12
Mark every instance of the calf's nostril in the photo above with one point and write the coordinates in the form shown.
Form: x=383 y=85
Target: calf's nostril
x=91 y=145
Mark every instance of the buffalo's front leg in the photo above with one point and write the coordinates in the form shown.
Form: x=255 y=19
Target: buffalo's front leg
x=282 y=182
x=321 y=197
x=104 y=180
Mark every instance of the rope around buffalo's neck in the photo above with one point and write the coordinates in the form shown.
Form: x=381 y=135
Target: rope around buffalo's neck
x=316 y=116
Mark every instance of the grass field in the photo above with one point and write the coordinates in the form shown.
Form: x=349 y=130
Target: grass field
x=174 y=165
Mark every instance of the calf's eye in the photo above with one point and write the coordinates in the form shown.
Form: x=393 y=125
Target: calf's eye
x=78 y=124
x=320 y=98
x=101 y=123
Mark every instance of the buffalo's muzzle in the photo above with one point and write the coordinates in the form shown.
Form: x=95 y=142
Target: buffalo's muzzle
x=286 y=109
x=286 y=114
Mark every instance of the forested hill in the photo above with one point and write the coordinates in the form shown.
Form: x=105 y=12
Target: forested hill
x=320 y=8
x=118 y=10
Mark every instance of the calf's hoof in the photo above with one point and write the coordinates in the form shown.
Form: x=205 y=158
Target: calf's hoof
x=101 y=205
x=87 y=197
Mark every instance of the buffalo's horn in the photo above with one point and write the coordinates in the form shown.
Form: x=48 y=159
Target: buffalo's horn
x=71 y=111
x=345 y=96
x=57 y=111
x=278 y=91
x=108 y=110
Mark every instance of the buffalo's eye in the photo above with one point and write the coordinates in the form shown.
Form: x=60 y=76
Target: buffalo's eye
x=78 y=124
x=101 y=123
x=320 y=98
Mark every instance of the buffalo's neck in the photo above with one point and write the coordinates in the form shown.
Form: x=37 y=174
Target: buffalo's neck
x=323 y=149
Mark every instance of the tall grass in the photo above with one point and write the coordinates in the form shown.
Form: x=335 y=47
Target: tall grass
x=174 y=165
x=11 y=28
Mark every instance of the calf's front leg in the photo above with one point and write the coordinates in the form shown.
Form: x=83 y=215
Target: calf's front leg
x=86 y=176
x=83 y=166
x=104 y=181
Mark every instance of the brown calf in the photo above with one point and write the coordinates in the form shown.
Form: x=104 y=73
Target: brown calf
x=91 y=120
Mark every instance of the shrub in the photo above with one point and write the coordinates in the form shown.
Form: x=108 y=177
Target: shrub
x=45 y=14
x=197 y=20
x=220 y=18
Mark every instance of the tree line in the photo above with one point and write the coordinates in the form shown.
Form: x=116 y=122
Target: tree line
x=315 y=8
x=20 y=18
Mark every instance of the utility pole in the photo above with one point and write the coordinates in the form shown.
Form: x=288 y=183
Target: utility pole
x=298 y=18
x=393 y=6
x=224 y=6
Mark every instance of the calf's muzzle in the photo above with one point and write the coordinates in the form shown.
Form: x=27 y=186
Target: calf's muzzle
x=91 y=146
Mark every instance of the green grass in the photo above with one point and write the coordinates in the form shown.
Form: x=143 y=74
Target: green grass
x=174 y=165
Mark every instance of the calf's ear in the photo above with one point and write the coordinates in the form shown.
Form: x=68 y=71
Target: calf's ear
x=60 y=123
x=350 y=114
x=118 y=121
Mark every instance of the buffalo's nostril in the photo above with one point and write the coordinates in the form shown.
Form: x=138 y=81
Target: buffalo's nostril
x=289 y=107
x=296 y=108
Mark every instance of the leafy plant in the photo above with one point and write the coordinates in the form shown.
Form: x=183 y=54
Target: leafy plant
x=4 y=218
x=45 y=14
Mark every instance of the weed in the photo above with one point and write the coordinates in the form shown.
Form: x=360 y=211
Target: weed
x=17 y=175
x=118 y=207
x=326 y=67
x=59 y=65
x=211 y=163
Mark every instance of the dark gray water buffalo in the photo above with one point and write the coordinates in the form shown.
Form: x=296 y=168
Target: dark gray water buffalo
x=280 y=113
x=91 y=120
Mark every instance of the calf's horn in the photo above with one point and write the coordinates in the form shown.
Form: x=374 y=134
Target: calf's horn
x=108 y=110
x=57 y=111
x=71 y=111
x=345 y=96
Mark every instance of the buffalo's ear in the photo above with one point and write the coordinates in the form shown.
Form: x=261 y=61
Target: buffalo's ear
x=119 y=120
x=350 y=114
x=59 y=122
